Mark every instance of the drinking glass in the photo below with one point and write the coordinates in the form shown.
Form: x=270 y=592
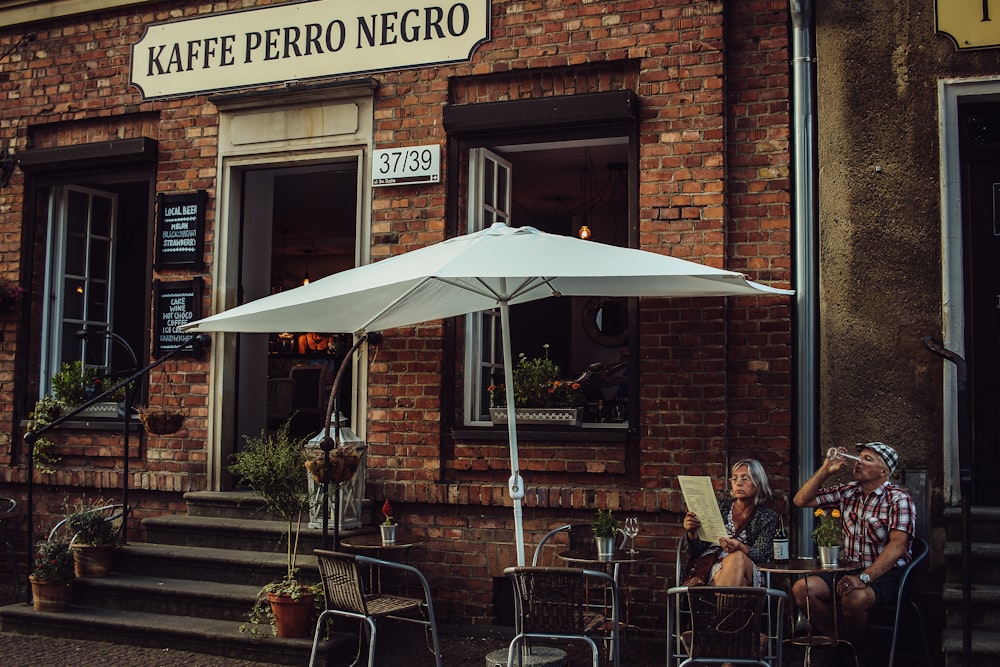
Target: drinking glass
x=632 y=532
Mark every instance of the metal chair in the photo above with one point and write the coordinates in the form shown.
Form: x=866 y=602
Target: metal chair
x=726 y=625
x=580 y=537
x=879 y=619
x=8 y=511
x=279 y=400
x=551 y=603
x=346 y=595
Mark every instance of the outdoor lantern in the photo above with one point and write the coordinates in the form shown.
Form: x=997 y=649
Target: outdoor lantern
x=351 y=492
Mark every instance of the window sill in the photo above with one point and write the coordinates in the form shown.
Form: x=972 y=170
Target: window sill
x=600 y=433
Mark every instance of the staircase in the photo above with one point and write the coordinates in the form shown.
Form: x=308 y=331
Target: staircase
x=189 y=586
x=984 y=573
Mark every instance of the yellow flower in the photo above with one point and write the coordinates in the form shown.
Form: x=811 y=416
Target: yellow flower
x=829 y=532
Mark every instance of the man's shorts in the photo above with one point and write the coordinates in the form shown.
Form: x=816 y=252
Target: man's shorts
x=886 y=587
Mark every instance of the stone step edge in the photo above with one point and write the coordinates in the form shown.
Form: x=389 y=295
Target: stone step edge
x=981 y=593
x=977 y=512
x=985 y=550
x=983 y=643
x=198 y=635
x=136 y=584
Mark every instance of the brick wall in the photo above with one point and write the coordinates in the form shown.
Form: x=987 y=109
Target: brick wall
x=712 y=79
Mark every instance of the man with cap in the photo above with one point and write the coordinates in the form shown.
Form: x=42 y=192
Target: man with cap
x=878 y=520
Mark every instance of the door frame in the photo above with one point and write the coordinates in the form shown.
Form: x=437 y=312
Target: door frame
x=952 y=93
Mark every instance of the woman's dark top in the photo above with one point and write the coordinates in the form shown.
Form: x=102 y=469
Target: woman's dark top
x=759 y=533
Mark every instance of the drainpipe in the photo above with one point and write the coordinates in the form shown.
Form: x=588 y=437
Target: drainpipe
x=804 y=261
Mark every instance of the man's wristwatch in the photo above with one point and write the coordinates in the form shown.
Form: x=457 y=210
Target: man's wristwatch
x=865 y=579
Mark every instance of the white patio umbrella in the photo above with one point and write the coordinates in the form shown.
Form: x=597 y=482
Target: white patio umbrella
x=496 y=267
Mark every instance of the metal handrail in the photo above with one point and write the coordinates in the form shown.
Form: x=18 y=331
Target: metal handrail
x=965 y=455
x=197 y=343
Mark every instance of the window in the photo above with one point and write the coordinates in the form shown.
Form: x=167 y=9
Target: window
x=80 y=282
x=558 y=187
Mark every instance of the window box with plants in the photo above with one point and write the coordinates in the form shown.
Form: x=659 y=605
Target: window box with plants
x=540 y=396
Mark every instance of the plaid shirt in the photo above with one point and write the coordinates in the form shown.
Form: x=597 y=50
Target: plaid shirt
x=868 y=519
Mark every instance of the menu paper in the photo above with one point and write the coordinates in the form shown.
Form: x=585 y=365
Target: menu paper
x=699 y=496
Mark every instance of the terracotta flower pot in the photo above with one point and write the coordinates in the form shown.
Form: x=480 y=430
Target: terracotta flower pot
x=292 y=618
x=50 y=597
x=92 y=561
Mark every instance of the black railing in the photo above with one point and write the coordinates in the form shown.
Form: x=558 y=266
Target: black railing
x=197 y=343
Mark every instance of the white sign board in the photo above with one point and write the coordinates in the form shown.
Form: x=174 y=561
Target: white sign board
x=405 y=166
x=306 y=40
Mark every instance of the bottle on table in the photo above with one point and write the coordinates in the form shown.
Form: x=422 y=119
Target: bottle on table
x=780 y=542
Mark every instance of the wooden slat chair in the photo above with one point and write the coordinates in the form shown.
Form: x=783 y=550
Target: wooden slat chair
x=728 y=625
x=550 y=603
x=346 y=595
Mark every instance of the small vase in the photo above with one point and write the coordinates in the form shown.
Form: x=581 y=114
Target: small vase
x=605 y=546
x=388 y=534
x=829 y=556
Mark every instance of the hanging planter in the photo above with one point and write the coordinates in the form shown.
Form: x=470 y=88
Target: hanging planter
x=163 y=419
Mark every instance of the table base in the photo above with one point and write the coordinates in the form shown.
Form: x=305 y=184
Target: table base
x=540 y=656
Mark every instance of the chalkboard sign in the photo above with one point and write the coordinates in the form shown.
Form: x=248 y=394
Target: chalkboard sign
x=180 y=230
x=176 y=303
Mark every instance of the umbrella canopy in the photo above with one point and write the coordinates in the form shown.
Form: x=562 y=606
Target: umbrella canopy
x=496 y=267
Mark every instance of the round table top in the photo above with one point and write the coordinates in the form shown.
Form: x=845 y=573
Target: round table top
x=373 y=542
x=590 y=556
x=806 y=566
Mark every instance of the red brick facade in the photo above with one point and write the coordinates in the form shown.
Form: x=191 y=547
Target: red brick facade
x=715 y=377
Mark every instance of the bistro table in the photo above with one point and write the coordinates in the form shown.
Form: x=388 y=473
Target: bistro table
x=614 y=561
x=805 y=567
x=371 y=543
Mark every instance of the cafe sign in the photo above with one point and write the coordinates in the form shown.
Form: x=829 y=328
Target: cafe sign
x=305 y=40
x=969 y=22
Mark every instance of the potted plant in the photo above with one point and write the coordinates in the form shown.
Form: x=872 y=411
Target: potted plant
x=95 y=537
x=605 y=529
x=540 y=396
x=828 y=536
x=272 y=464
x=52 y=576
x=388 y=526
x=10 y=295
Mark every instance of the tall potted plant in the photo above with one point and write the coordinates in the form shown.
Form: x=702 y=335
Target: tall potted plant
x=272 y=465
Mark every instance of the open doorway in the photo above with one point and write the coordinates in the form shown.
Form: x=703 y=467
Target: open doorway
x=299 y=224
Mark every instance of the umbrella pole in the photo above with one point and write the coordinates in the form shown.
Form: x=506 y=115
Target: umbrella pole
x=515 y=484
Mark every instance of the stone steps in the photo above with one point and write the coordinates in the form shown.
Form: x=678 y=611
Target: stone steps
x=983 y=614
x=190 y=585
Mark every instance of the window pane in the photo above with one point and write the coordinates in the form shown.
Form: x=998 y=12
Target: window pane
x=73 y=293
x=100 y=223
x=97 y=301
x=501 y=194
x=100 y=265
x=76 y=215
x=488 y=175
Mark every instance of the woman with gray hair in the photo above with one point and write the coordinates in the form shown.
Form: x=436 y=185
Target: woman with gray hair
x=751 y=530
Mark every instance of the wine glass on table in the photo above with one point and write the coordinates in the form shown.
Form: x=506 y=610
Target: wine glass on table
x=632 y=532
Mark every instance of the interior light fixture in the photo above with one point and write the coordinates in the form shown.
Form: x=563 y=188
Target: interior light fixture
x=584 y=232
x=305 y=278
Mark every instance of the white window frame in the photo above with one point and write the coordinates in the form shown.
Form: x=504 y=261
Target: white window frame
x=489 y=202
x=60 y=248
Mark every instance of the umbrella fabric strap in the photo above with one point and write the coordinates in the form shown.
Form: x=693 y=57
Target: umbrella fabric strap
x=516 y=486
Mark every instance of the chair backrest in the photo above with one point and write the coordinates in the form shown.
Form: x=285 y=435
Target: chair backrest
x=6 y=505
x=279 y=397
x=727 y=623
x=581 y=536
x=308 y=394
x=919 y=550
x=343 y=585
x=553 y=600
